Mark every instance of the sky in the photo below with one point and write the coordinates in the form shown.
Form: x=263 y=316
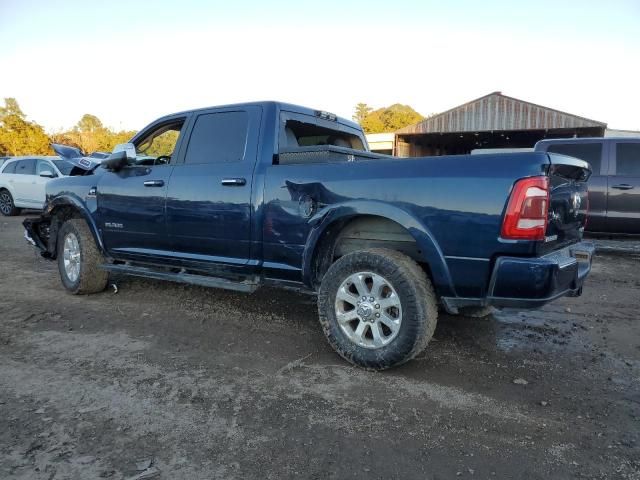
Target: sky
x=129 y=62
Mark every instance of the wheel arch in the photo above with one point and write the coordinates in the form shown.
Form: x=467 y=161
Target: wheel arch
x=63 y=207
x=398 y=228
x=7 y=187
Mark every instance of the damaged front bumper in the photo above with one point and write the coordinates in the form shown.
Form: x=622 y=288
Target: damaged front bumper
x=37 y=232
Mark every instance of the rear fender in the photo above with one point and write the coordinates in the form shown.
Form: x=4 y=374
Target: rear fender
x=337 y=215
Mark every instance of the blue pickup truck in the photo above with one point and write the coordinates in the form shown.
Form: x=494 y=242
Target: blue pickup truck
x=268 y=193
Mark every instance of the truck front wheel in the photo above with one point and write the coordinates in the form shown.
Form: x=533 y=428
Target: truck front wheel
x=377 y=308
x=79 y=259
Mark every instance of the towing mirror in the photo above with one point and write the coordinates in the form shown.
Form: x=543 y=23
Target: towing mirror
x=121 y=156
x=128 y=148
x=47 y=174
x=116 y=161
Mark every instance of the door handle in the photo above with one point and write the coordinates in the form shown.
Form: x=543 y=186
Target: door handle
x=233 y=182
x=154 y=183
x=623 y=186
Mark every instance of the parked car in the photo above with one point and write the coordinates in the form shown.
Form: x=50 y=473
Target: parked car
x=23 y=180
x=275 y=194
x=614 y=186
x=3 y=159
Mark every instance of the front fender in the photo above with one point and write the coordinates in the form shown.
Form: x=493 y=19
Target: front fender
x=74 y=201
x=340 y=214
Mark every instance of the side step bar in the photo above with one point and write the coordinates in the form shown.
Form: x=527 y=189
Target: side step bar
x=202 y=280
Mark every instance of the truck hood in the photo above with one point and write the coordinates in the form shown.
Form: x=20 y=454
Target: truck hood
x=82 y=164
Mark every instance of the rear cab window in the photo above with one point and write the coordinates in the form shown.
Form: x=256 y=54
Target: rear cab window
x=589 y=152
x=300 y=130
x=628 y=159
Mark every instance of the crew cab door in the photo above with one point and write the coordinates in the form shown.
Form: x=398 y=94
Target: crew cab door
x=623 y=205
x=131 y=201
x=209 y=199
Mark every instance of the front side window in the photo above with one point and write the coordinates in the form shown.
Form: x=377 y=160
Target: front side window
x=589 y=152
x=628 y=159
x=158 y=146
x=44 y=166
x=26 y=167
x=218 y=138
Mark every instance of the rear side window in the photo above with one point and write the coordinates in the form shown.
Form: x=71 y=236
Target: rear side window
x=218 y=138
x=10 y=168
x=628 y=159
x=26 y=167
x=589 y=152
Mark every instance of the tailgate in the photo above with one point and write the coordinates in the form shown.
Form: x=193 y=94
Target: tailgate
x=569 y=201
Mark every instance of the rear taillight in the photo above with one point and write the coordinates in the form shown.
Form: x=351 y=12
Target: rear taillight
x=528 y=210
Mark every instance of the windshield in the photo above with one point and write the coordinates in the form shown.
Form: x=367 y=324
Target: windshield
x=64 y=166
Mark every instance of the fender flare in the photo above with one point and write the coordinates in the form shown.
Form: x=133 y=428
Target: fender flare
x=72 y=200
x=343 y=212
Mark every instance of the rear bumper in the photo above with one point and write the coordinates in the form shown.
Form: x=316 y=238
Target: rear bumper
x=532 y=282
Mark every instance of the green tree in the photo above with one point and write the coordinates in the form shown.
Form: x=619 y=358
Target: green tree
x=389 y=119
x=361 y=113
x=19 y=136
x=11 y=107
x=89 y=124
x=90 y=134
x=114 y=138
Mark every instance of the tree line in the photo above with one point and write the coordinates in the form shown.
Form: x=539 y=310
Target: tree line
x=386 y=119
x=19 y=136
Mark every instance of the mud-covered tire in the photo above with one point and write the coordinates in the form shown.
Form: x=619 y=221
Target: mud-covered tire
x=90 y=278
x=475 y=312
x=7 y=207
x=416 y=297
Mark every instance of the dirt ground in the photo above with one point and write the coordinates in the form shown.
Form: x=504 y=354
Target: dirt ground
x=204 y=383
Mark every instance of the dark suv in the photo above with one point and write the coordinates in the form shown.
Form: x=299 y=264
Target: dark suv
x=614 y=186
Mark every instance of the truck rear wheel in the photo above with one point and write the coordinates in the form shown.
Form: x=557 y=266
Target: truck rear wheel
x=79 y=259
x=377 y=308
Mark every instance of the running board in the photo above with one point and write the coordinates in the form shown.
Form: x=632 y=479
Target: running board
x=181 y=277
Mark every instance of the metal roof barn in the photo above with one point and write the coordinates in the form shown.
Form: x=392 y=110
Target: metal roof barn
x=492 y=121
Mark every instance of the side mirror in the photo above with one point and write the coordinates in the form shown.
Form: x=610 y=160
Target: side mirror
x=116 y=161
x=47 y=174
x=128 y=148
x=121 y=156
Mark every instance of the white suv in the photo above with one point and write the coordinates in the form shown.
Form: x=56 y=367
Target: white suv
x=23 y=180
